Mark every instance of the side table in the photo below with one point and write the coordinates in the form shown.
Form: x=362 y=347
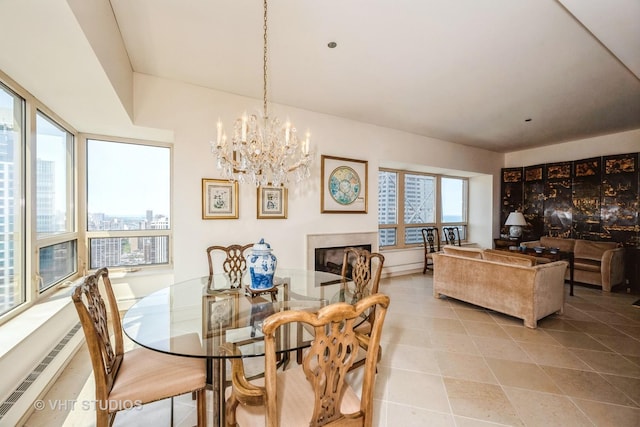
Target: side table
x=502 y=243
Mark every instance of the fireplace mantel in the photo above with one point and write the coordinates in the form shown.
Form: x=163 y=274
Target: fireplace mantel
x=338 y=239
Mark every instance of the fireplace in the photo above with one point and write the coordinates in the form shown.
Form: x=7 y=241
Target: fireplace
x=335 y=243
x=330 y=259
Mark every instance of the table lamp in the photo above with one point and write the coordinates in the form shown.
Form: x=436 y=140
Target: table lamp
x=516 y=221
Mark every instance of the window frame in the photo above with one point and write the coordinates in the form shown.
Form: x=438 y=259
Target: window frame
x=400 y=225
x=100 y=234
x=27 y=268
x=71 y=234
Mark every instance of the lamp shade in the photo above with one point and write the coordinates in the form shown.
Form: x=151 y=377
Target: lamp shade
x=516 y=218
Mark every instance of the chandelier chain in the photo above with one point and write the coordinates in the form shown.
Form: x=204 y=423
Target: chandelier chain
x=262 y=150
x=264 y=62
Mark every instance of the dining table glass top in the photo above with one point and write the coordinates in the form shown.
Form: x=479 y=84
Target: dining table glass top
x=228 y=319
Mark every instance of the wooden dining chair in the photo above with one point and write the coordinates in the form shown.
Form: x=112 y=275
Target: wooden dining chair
x=364 y=269
x=452 y=236
x=136 y=377
x=431 y=242
x=233 y=264
x=316 y=393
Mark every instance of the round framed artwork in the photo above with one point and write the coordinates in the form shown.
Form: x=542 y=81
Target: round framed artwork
x=344 y=185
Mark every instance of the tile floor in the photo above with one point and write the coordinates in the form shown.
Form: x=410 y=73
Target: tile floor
x=447 y=363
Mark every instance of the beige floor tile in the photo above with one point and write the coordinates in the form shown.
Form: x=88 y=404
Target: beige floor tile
x=623 y=345
x=414 y=337
x=473 y=422
x=408 y=416
x=501 y=349
x=577 y=340
x=419 y=390
x=474 y=315
x=482 y=401
x=504 y=320
x=607 y=362
x=485 y=329
x=555 y=355
x=522 y=375
x=603 y=414
x=404 y=320
x=454 y=342
x=539 y=409
x=536 y=336
x=446 y=326
x=467 y=366
x=410 y=358
x=586 y=385
x=594 y=327
x=609 y=318
x=556 y=324
x=628 y=385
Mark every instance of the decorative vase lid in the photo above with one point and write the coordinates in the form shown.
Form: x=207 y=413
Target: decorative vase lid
x=261 y=248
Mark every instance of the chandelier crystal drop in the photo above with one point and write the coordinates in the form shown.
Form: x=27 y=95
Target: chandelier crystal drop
x=262 y=150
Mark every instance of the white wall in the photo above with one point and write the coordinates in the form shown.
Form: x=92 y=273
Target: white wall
x=192 y=112
x=616 y=143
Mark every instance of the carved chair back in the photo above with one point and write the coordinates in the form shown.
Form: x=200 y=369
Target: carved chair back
x=106 y=352
x=366 y=268
x=326 y=363
x=452 y=235
x=431 y=242
x=234 y=264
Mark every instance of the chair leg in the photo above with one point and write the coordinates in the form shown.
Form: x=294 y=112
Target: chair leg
x=201 y=405
x=171 y=411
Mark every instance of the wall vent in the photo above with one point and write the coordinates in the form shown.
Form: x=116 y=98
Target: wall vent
x=29 y=379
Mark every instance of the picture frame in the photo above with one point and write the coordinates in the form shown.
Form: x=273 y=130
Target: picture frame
x=272 y=202
x=220 y=311
x=219 y=199
x=344 y=185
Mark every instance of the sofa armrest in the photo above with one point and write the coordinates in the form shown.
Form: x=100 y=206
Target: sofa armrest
x=612 y=268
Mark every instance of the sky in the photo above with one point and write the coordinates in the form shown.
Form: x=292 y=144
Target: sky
x=114 y=169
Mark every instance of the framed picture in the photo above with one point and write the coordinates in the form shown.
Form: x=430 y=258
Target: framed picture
x=344 y=185
x=219 y=199
x=272 y=202
x=220 y=312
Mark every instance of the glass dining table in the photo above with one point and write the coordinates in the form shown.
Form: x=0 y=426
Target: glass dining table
x=228 y=318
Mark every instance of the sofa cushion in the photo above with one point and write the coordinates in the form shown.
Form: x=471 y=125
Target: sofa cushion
x=515 y=259
x=587 y=264
x=587 y=249
x=566 y=245
x=475 y=253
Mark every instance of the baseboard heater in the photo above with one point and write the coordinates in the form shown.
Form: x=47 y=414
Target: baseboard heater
x=30 y=379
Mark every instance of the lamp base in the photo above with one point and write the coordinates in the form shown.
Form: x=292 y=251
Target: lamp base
x=515 y=232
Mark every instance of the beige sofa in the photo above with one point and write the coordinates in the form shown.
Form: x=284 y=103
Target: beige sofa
x=595 y=263
x=500 y=282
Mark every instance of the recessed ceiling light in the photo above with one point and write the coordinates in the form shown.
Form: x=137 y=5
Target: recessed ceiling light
x=332 y=45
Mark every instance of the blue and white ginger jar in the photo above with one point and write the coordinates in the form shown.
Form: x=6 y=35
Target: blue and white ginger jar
x=262 y=266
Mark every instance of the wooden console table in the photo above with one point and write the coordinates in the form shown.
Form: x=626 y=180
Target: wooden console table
x=502 y=243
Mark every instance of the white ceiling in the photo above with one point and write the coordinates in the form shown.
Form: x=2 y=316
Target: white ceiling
x=465 y=71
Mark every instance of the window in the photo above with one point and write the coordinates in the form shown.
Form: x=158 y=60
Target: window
x=420 y=200
x=454 y=204
x=55 y=195
x=12 y=232
x=128 y=204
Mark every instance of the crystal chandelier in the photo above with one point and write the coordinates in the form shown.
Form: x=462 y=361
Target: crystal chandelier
x=262 y=150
